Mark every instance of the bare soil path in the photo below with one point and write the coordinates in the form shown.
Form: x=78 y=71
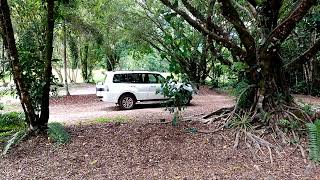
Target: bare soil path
x=77 y=108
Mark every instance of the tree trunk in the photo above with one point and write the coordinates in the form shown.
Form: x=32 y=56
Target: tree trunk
x=58 y=71
x=10 y=44
x=272 y=83
x=85 y=64
x=65 y=58
x=44 y=117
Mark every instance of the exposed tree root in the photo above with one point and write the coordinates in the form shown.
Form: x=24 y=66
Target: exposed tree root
x=283 y=122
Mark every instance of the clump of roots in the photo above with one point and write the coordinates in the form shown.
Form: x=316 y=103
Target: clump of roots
x=285 y=122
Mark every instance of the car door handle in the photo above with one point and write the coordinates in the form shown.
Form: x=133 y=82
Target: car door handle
x=153 y=86
x=132 y=86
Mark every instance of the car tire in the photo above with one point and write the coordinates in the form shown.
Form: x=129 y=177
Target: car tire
x=187 y=101
x=127 y=102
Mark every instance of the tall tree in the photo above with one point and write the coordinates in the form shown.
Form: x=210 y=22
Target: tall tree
x=259 y=28
x=35 y=120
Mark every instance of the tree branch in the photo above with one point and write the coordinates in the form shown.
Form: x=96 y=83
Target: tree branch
x=283 y=30
x=226 y=42
x=231 y=14
x=307 y=55
x=193 y=10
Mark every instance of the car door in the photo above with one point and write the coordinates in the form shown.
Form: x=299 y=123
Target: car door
x=141 y=89
x=154 y=86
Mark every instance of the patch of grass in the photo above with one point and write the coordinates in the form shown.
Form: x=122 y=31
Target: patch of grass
x=58 y=133
x=12 y=121
x=118 y=119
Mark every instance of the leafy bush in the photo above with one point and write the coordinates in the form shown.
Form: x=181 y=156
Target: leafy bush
x=314 y=140
x=57 y=133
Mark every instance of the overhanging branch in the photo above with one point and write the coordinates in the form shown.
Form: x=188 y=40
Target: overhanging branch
x=307 y=55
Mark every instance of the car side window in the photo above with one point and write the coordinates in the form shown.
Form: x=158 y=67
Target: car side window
x=145 y=78
x=155 y=78
x=135 y=78
x=161 y=79
x=120 y=78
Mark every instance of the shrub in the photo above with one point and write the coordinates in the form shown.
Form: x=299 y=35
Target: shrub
x=314 y=140
x=57 y=133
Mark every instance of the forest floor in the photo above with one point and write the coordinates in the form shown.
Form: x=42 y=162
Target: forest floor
x=141 y=148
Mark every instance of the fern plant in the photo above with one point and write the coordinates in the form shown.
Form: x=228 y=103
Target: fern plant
x=57 y=133
x=314 y=140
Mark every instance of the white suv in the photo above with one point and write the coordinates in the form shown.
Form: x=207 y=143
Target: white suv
x=126 y=88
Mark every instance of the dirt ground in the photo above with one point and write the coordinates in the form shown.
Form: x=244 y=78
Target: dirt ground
x=143 y=149
x=77 y=108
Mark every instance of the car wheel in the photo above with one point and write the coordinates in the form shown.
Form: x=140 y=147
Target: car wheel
x=187 y=101
x=127 y=102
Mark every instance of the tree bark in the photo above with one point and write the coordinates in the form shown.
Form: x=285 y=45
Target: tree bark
x=65 y=58
x=44 y=117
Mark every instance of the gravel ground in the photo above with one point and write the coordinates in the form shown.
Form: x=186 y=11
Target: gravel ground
x=142 y=148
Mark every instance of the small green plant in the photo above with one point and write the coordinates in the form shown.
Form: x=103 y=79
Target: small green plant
x=287 y=125
x=307 y=108
x=58 y=133
x=119 y=119
x=314 y=140
x=241 y=122
x=178 y=94
x=15 y=139
x=1 y=106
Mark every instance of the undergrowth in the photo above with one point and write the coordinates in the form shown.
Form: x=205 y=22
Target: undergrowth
x=10 y=123
x=58 y=133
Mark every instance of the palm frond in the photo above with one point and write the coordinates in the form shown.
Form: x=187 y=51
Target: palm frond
x=314 y=140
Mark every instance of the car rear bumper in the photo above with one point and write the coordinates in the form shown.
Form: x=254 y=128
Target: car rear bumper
x=110 y=97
